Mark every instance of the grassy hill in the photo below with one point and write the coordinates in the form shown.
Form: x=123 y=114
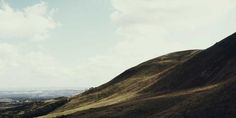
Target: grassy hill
x=191 y=84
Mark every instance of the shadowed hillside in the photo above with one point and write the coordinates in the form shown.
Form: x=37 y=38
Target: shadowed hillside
x=191 y=84
x=126 y=85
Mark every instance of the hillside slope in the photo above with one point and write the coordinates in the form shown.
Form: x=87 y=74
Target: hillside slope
x=125 y=86
x=195 y=84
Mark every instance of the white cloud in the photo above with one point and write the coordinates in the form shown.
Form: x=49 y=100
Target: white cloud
x=150 y=28
x=19 y=69
x=151 y=18
x=31 y=23
x=8 y=57
x=25 y=65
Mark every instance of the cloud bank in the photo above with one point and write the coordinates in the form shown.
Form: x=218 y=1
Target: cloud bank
x=31 y=23
x=32 y=69
x=24 y=64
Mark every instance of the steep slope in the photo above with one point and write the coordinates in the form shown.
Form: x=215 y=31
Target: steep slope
x=211 y=66
x=191 y=84
x=126 y=85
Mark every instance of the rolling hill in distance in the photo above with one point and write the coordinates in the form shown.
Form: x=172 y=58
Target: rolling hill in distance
x=185 y=84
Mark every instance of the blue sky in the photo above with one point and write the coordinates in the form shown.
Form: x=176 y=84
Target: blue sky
x=84 y=43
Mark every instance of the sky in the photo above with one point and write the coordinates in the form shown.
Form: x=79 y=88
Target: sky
x=85 y=43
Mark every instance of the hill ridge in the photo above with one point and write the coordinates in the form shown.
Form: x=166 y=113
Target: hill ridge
x=193 y=84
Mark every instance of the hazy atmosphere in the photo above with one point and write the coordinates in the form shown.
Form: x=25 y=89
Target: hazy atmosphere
x=84 y=43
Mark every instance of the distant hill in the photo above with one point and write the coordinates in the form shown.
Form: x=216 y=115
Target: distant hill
x=36 y=94
x=186 y=84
